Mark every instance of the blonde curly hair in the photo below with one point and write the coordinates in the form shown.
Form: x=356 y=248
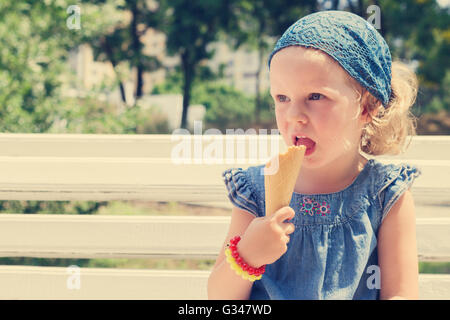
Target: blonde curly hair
x=388 y=128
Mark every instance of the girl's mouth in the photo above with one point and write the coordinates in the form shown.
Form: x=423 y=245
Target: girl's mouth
x=307 y=142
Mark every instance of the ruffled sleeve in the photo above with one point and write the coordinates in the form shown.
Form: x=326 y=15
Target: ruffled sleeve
x=398 y=179
x=240 y=191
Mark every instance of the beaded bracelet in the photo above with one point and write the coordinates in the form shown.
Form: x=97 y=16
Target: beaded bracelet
x=239 y=266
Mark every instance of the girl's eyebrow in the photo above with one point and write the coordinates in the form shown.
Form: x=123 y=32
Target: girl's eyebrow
x=312 y=89
x=329 y=90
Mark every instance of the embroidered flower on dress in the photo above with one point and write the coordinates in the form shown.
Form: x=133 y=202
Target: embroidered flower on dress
x=307 y=207
x=324 y=209
x=311 y=207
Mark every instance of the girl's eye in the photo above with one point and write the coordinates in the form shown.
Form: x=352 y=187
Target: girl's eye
x=315 y=96
x=282 y=98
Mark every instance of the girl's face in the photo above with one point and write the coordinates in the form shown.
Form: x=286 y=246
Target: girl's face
x=313 y=98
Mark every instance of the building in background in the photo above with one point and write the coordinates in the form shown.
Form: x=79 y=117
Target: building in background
x=240 y=66
x=240 y=72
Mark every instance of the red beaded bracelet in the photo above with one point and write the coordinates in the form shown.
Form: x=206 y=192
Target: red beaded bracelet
x=244 y=266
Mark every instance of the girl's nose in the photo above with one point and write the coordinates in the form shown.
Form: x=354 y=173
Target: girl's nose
x=297 y=114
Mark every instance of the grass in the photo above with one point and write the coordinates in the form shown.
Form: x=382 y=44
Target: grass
x=165 y=264
x=171 y=208
x=126 y=208
x=434 y=267
x=155 y=264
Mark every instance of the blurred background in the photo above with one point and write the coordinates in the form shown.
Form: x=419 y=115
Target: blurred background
x=149 y=67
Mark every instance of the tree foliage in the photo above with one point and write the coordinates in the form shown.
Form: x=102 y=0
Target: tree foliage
x=34 y=46
x=122 y=41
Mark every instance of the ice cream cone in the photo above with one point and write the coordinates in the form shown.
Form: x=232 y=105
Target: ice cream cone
x=280 y=185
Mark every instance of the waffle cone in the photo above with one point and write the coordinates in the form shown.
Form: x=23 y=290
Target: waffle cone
x=280 y=185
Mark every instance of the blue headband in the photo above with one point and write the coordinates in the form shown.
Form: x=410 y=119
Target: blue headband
x=351 y=41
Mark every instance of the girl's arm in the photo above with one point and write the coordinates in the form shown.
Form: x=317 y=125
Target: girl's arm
x=223 y=282
x=397 y=251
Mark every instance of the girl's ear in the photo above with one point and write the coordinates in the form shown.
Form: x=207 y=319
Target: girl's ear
x=364 y=111
x=369 y=108
x=364 y=114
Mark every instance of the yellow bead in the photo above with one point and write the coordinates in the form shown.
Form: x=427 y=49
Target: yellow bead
x=239 y=271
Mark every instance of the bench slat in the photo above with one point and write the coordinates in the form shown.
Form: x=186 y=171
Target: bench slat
x=79 y=236
x=161 y=145
x=25 y=282
x=70 y=236
x=52 y=178
x=93 y=167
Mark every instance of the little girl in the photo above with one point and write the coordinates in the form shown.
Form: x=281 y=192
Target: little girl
x=349 y=231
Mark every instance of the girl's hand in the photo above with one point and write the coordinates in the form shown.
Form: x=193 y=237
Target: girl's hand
x=265 y=239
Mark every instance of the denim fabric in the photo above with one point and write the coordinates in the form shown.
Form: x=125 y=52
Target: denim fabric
x=334 y=244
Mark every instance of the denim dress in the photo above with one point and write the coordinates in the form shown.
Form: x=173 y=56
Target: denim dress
x=332 y=253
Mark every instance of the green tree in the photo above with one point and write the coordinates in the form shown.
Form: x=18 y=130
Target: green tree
x=259 y=23
x=226 y=106
x=35 y=40
x=122 y=42
x=190 y=27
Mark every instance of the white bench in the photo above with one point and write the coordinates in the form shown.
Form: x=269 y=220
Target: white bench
x=125 y=167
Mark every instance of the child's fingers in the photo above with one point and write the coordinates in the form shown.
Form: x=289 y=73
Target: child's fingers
x=286 y=239
x=285 y=213
x=289 y=228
